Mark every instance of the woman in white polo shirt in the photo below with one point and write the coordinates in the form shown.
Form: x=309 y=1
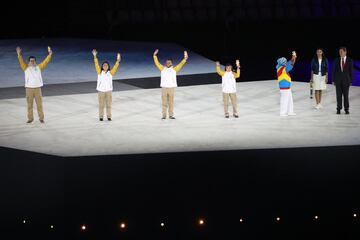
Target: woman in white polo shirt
x=104 y=84
x=229 y=86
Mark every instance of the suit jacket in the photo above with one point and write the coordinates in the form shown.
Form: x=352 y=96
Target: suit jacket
x=347 y=75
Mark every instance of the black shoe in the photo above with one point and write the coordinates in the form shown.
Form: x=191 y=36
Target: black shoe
x=29 y=121
x=109 y=119
x=163 y=117
x=347 y=112
x=172 y=117
x=42 y=121
x=338 y=112
x=101 y=119
x=226 y=115
x=236 y=116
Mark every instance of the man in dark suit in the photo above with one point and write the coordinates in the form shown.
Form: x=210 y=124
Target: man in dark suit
x=343 y=75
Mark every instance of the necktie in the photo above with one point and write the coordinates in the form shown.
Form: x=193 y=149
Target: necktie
x=342 y=64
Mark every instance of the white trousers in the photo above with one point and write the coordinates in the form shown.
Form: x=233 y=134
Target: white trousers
x=286 y=102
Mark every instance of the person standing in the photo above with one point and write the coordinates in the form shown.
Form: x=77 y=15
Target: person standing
x=319 y=75
x=229 y=86
x=33 y=83
x=168 y=83
x=343 y=75
x=105 y=84
x=283 y=68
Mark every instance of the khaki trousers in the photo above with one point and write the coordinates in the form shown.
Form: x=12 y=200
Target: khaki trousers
x=167 y=97
x=105 y=100
x=31 y=94
x=226 y=97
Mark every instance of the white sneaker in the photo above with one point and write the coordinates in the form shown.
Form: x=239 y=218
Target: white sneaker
x=317 y=106
x=292 y=114
x=320 y=106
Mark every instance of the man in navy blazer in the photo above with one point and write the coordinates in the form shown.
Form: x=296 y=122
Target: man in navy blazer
x=343 y=75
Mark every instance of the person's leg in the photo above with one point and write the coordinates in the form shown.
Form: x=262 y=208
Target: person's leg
x=284 y=102
x=30 y=101
x=320 y=94
x=39 y=105
x=317 y=97
x=226 y=103
x=171 y=101
x=346 y=88
x=290 y=110
x=234 y=102
x=338 y=88
x=101 y=96
x=164 y=101
x=108 y=102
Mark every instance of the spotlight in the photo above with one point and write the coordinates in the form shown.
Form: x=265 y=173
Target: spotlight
x=51 y=226
x=162 y=224
x=24 y=221
x=241 y=220
x=354 y=215
x=316 y=217
x=83 y=227
x=277 y=219
x=201 y=221
x=122 y=225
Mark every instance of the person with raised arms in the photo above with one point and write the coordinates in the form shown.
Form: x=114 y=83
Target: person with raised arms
x=229 y=86
x=105 y=84
x=33 y=83
x=168 y=83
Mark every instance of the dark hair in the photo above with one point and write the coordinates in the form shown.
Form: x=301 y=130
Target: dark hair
x=102 y=69
x=169 y=59
x=343 y=48
x=31 y=58
x=228 y=64
x=323 y=54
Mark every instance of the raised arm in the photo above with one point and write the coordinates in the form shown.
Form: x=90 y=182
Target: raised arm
x=237 y=73
x=22 y=63
x=116 y=66
x=156 y=60
x=43 y=64
x=96 y=62
x=290 y=64
x=182 y=63
x=218 y=70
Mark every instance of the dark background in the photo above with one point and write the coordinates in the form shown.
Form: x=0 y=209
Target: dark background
x=178 y=188
x=256 y=31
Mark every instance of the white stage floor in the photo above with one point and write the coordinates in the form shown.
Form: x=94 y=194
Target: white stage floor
x=72 y=127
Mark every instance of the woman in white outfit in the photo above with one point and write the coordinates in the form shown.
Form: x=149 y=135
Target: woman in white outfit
x=319 y=75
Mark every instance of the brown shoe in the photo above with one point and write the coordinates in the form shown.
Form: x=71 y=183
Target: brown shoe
x=42 y=121
x=29 y=121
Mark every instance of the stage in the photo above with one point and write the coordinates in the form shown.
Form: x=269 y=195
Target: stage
x=72 y=127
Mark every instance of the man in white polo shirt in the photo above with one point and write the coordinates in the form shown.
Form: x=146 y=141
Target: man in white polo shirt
x=168 y=83
x=33 y=83
x=228 y=78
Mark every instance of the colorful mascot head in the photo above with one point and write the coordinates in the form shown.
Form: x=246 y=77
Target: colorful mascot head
x=281 y=62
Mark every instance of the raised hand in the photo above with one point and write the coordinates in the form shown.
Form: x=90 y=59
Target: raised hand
x=94 y=52
x=49 y=50
x=156 y=52
x=118 y=57
x=18 y=50
x=293 y=54
x=237 y=62
x=217 y=63
x=186 y=56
